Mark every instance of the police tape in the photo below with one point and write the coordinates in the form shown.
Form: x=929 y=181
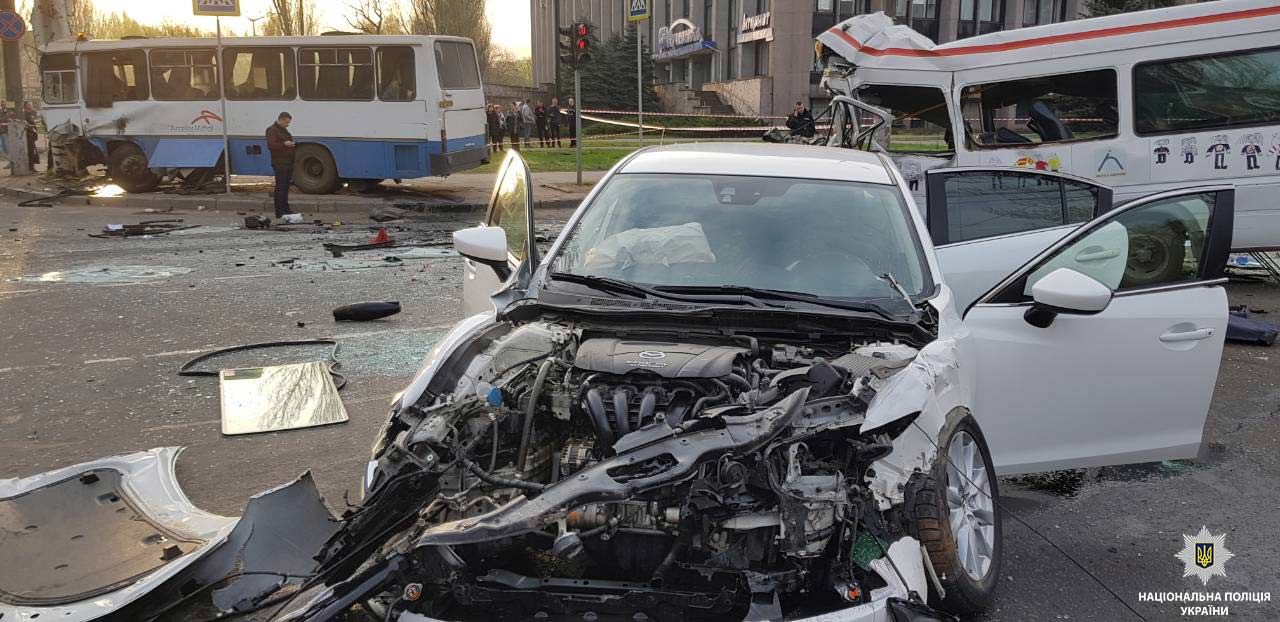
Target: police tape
x=633 y=113
x=668 y=129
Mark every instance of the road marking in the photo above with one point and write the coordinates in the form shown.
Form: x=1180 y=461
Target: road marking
x=178 y=426
x=114 y=360
x=20 y=291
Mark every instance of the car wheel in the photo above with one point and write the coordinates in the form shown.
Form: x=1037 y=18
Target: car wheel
x=1155 y=256
x=127 y=166
x=954 y=516
x=314 y=171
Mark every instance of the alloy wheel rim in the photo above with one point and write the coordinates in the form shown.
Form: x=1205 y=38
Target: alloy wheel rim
x=970 y=507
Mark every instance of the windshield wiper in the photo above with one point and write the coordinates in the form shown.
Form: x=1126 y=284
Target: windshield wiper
x=604 y=283
x=776 y=294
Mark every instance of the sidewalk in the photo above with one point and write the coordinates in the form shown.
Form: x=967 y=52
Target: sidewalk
x=462 y=193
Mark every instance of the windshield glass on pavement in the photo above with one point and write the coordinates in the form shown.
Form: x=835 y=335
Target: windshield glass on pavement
x=831 y=239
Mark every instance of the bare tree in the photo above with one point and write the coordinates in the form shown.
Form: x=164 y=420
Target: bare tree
x=463 y=18
x=376 y=17
x=291 y=18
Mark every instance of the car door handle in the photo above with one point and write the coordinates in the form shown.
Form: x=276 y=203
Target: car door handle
x=1094 y=253
x=1190 y=335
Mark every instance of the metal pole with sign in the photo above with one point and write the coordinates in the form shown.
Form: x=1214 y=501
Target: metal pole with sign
x=12 y=27
x=219 y=8
x=637 y=12
x=577 y=121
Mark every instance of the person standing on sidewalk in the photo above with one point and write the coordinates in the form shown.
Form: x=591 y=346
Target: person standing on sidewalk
x=540 y=112
x=571 y=119
x=513 y=125
x=553 y=120
x=493 y=117
x=280 y=143
x=527 y=121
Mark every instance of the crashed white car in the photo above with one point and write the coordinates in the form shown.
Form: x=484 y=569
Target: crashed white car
x=737 y=387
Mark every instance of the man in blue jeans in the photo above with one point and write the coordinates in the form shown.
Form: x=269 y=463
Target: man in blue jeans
x=280 y=143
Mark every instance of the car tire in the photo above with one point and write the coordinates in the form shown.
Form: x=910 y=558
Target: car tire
x=953 y=519
x=128 y=167
x=314 y=171
x=1156 y=255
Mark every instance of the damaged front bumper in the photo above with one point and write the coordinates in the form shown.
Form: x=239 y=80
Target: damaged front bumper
x=118 y=536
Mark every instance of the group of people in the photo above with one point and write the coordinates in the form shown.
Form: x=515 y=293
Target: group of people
x=28 y=118
x=527 y=125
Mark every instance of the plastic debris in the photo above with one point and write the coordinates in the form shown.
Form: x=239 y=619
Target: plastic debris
x=365 y=311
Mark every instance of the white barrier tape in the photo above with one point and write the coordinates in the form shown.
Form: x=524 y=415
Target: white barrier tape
x=680 y=114
x=660 y=128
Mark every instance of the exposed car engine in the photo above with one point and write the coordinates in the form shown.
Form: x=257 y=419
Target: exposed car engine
x=566 y=469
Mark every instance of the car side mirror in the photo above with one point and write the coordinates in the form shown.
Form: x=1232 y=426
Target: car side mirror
x=1065 y=291
x=486 y=245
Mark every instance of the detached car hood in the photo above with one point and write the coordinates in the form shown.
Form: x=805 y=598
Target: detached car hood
x=118 y=535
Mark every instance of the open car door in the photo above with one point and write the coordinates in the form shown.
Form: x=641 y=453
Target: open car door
x=493 y=251
x=987 y=221
x=1084 y=360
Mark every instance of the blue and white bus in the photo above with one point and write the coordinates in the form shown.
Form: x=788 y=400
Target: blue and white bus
x=365 y=107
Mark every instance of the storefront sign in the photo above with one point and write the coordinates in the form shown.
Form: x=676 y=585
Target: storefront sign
x=682 y=38
x=755 y=28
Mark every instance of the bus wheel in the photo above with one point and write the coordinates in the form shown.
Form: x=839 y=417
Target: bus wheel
x=363 y=186
x=127 y=166
x=314 y=171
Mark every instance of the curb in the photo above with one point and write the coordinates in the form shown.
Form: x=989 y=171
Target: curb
x=307 y=204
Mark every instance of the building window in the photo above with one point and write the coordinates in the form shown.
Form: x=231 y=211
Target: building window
x=684 y=9
x=184 y=75
x=979 y=17
x=1046 y=109
x=396 y=81
x=708 y=18
x=1238 y=89
x=824 y=6
x=336 y=73
x=760 y=58
x=261 y=73
x=58 y=78
x=1039 y=12
x=920 y=15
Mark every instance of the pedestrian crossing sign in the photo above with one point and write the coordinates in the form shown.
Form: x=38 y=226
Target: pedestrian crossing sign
x=637 y=10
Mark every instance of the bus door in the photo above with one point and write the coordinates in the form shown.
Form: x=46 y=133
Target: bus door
x=461 y=97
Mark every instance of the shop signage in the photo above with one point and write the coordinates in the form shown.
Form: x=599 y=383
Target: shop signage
x=755 y=28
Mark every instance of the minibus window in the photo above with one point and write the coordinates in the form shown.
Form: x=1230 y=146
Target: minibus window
x=1045 y=109
x=116 y=76
x=396 y=74
x=58 y=78
x=1208 y=92
x=921 y=122
x=456 y=64
x=260 y=73
x=336 y=73
x=184 y=75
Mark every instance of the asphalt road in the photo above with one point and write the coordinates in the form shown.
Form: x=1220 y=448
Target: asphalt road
x=88 y=370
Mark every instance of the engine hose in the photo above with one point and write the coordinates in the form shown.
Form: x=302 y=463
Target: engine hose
x=620 y=407
x=599 y=420
x=740 y=381
x=648 y=404
x=666 y=564
x=523 y=457
x=702 y=403
x=488 y=478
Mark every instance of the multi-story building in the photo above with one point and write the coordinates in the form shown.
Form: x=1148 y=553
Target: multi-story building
x=757 y=55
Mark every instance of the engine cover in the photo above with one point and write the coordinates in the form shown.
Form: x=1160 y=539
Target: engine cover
x=669 y=360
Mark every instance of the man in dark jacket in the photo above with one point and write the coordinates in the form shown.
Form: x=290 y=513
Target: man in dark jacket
x=800 y=122
x=280 y=143
x=513 y=125
x=29 y=115
x=540 y=113
x=571 y=120
x=553 y=122
x=493 y=117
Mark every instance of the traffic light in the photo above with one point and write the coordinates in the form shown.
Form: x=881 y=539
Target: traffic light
x=567 y=44
x=575 y=43
x=582 y=43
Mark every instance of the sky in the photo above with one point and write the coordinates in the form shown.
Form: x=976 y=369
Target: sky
x=508 y=18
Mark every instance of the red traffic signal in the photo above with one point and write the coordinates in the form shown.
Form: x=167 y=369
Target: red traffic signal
x=582 y=29
x=581 y=42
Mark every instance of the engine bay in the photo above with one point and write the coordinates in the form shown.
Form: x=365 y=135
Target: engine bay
x=560 y=469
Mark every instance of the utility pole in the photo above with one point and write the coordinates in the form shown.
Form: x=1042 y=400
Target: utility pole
x=253 y=24
x=639 y=85
x=577 y=120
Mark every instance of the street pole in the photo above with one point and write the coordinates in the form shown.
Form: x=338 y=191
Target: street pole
x=577 y=120
x=639 y=85
x=226 y=140
x=13 y=92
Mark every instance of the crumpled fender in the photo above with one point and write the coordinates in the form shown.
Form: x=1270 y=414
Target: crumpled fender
x=461 y=333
